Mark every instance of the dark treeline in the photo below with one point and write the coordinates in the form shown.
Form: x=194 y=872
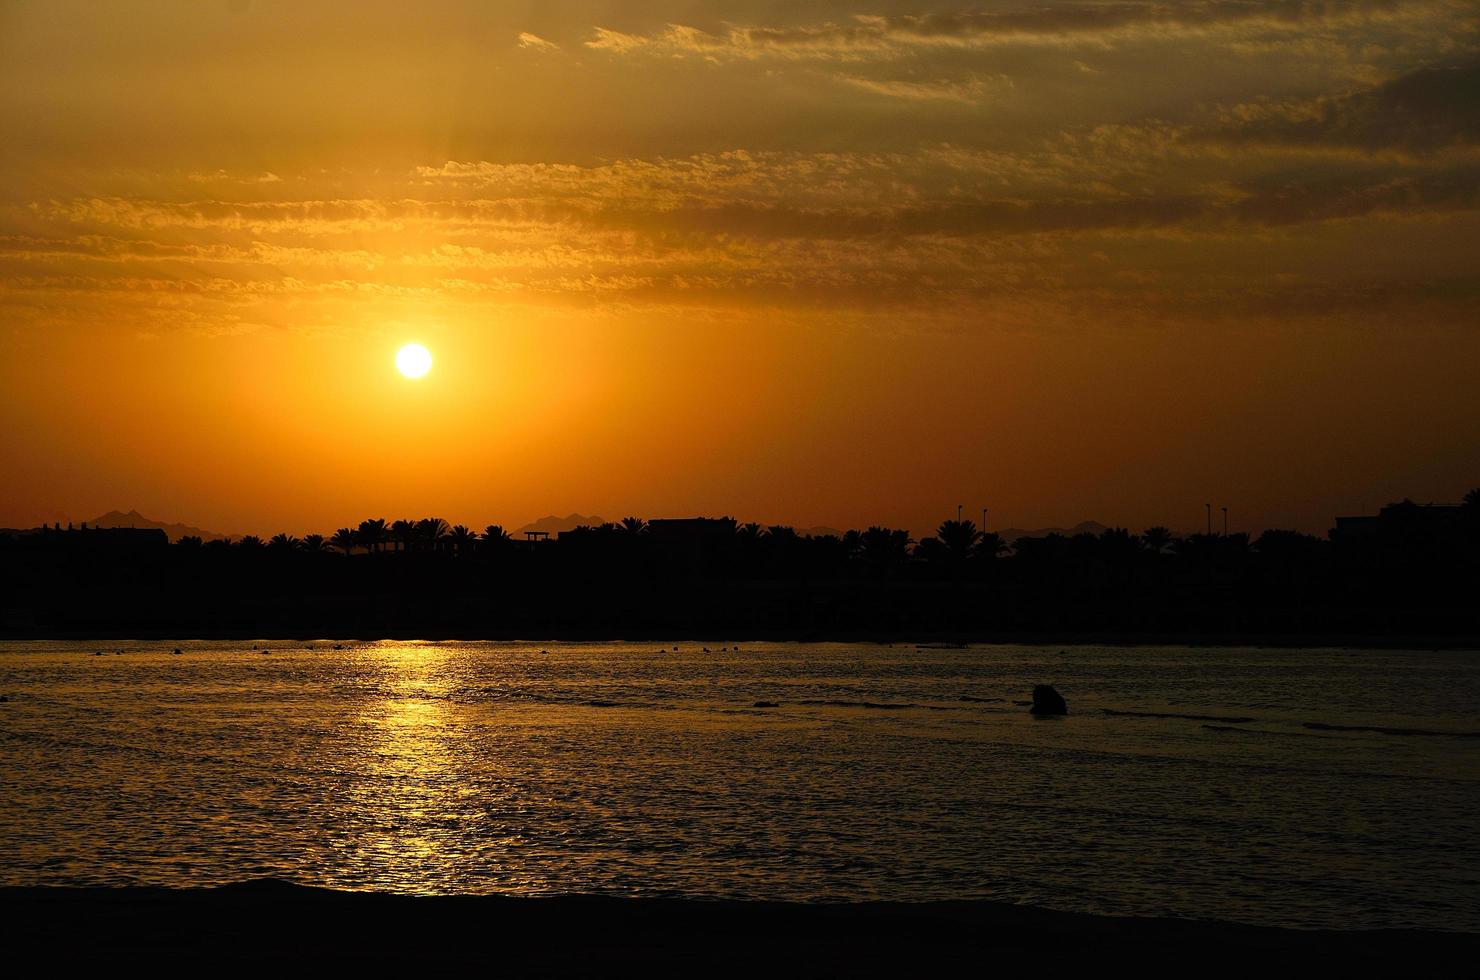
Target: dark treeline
x=1409 y=571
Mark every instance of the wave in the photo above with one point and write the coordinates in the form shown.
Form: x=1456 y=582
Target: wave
x=1230 y=719
x=1319 y=726
x=1383 y=730
x=513 y=695
x=1255 y=731
x=876 y=705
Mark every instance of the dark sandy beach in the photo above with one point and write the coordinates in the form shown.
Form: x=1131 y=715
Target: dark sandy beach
x=272 y=923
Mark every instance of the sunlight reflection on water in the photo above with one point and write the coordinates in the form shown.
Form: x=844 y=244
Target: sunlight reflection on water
x=884 y=772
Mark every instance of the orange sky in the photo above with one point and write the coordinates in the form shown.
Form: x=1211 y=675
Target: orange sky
x=845 y=265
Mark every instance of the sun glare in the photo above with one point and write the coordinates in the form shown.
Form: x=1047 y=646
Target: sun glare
x=413 y=360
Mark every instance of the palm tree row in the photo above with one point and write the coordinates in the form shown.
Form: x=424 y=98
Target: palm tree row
x=374 y=536
x=427 y=534
x=955 y=542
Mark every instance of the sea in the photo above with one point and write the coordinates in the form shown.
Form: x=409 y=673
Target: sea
x=1313 y=788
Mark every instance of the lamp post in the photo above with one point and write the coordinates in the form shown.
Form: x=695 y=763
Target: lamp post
x=1210 y=519
x=1225 y=522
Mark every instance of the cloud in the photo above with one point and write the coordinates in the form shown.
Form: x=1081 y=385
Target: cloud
x=533 y=42
x=1429 y=110
x=966 y=91
x=878 y=161
x=1277 y=200
x=615 y=42
x=1072 y=21
x=743 y=217
x=1132 y=216
x=874 y=36
x=223 y=176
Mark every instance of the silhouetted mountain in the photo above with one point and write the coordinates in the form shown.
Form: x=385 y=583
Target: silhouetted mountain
x=116 y=518
x=554 y=525
x=1011 y=534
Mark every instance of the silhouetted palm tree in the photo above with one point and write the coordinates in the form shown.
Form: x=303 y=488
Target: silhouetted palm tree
x=251 y=542
x=404 y=533
x=313 y=544
x=884 y=547
x=634 y=525
x=989 y=545
x=345 y=540
x=1084 y=546
x=1288 y=547
x=283 y=543
x=751 y=547
x=461 y=538
x=933 y=551
x=782 y=534
x=1156 y=539
x=189 y=541
x=430 y=531
x=959 y=538
x=1119 y=545
x=373 y=533
x=495 y=538
x=1210 y=550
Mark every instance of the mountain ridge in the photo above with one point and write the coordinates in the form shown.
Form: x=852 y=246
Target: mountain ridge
x=1011 y=534
x=117 y=518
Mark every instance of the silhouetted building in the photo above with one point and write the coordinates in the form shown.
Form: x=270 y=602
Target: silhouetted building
x=99 y=541
x=1399 y=536
x=1406 y=521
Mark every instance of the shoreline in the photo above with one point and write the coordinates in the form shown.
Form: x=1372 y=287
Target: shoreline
x=274 y=921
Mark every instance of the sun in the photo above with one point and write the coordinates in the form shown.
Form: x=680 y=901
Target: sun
x=413 y=360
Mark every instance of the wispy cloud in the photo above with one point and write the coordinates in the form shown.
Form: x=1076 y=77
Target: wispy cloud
x=874 y=36
x=968 y=91
x=1133 y=215
x=1433 y=109
x=533 y=42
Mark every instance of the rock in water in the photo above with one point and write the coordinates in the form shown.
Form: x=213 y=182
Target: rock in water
x=1047 y=701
